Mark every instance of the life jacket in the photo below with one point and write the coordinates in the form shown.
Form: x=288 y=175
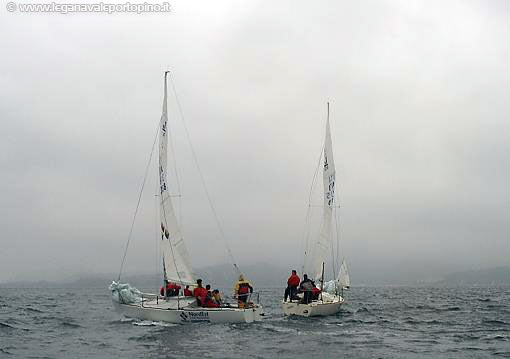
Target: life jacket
x=306 y=285
x=188 y=293
x=244 y=288
x=162 y=291
x=315 y=291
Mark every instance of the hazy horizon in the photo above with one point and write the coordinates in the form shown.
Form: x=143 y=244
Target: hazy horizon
x=419 y=121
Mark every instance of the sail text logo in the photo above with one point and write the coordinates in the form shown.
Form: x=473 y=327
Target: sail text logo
x=194 y=317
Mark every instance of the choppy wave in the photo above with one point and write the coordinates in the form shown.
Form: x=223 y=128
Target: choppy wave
x=5 y=325
x=5 y=351
x=384 y=322
x=496 y=322
x=148 y=323
x=33 y=310
x=70 y=324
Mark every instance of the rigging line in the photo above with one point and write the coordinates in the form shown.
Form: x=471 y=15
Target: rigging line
x=337 y=235
x=156 y=227
x=323 y=222
x=195 y=157
x=138 y=204
x=308 y=215
x=333 y=259
x=174 y=162
x=157 y=220
x=170 y=244
x=162 y=206
x=157 y=224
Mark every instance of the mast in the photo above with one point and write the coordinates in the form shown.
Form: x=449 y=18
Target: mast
x=322 y=279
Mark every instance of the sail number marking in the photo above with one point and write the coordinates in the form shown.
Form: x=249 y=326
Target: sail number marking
x=330 y=193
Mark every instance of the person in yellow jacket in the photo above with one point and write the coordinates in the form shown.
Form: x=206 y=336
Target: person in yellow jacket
x=242 y=289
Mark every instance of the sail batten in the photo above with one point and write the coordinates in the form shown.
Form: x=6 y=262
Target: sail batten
x=176 y=260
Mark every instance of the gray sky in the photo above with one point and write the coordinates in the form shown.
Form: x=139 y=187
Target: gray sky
x=420 y=105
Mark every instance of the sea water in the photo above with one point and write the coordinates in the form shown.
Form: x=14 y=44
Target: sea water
x=377 y=322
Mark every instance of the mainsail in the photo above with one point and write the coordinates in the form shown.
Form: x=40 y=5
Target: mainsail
x=176 y=261
x=322 y=245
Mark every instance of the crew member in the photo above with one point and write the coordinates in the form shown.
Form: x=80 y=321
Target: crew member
x=209 y=301
x=187 y=292
x=169 y=289
x=315 y=293
x=200 y=293
x=173 y=289
x=163 y=288
x=242 y=289
x=217 y=297
x=292 y=286
x=306 y=287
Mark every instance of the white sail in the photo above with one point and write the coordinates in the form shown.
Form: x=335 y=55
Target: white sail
x=343 y=276
x=322 y=245
x=176 y=261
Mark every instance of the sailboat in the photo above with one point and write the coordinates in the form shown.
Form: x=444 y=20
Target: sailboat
x=329 y=301
x=176 y=265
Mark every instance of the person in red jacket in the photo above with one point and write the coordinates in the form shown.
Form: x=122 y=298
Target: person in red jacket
x=292 y=285
x=166 y=289
x=170 y=289
x=200 y=293
x=315 y=293
x=187 y=292
x=174 y=289
x=163 y=289
x=209 y=301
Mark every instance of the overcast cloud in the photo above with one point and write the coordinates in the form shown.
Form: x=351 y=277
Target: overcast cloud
x=420 y=102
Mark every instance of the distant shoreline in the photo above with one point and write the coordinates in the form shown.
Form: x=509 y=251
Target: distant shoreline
x=273 y=277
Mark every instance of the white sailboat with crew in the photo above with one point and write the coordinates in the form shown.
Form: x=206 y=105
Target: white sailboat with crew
x=330 y=299
x=176 y=266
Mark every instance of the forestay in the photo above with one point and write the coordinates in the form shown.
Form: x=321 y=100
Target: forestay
x=176 y=261
x=322 y=246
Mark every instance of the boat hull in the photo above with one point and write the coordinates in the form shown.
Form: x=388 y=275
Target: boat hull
x=327 y=306
x=190 y=315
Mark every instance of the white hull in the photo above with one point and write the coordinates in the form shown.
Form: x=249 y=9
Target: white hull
x=330 y=305
x=165 y=312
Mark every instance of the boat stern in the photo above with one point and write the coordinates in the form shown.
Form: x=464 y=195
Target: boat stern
x=328 y=306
